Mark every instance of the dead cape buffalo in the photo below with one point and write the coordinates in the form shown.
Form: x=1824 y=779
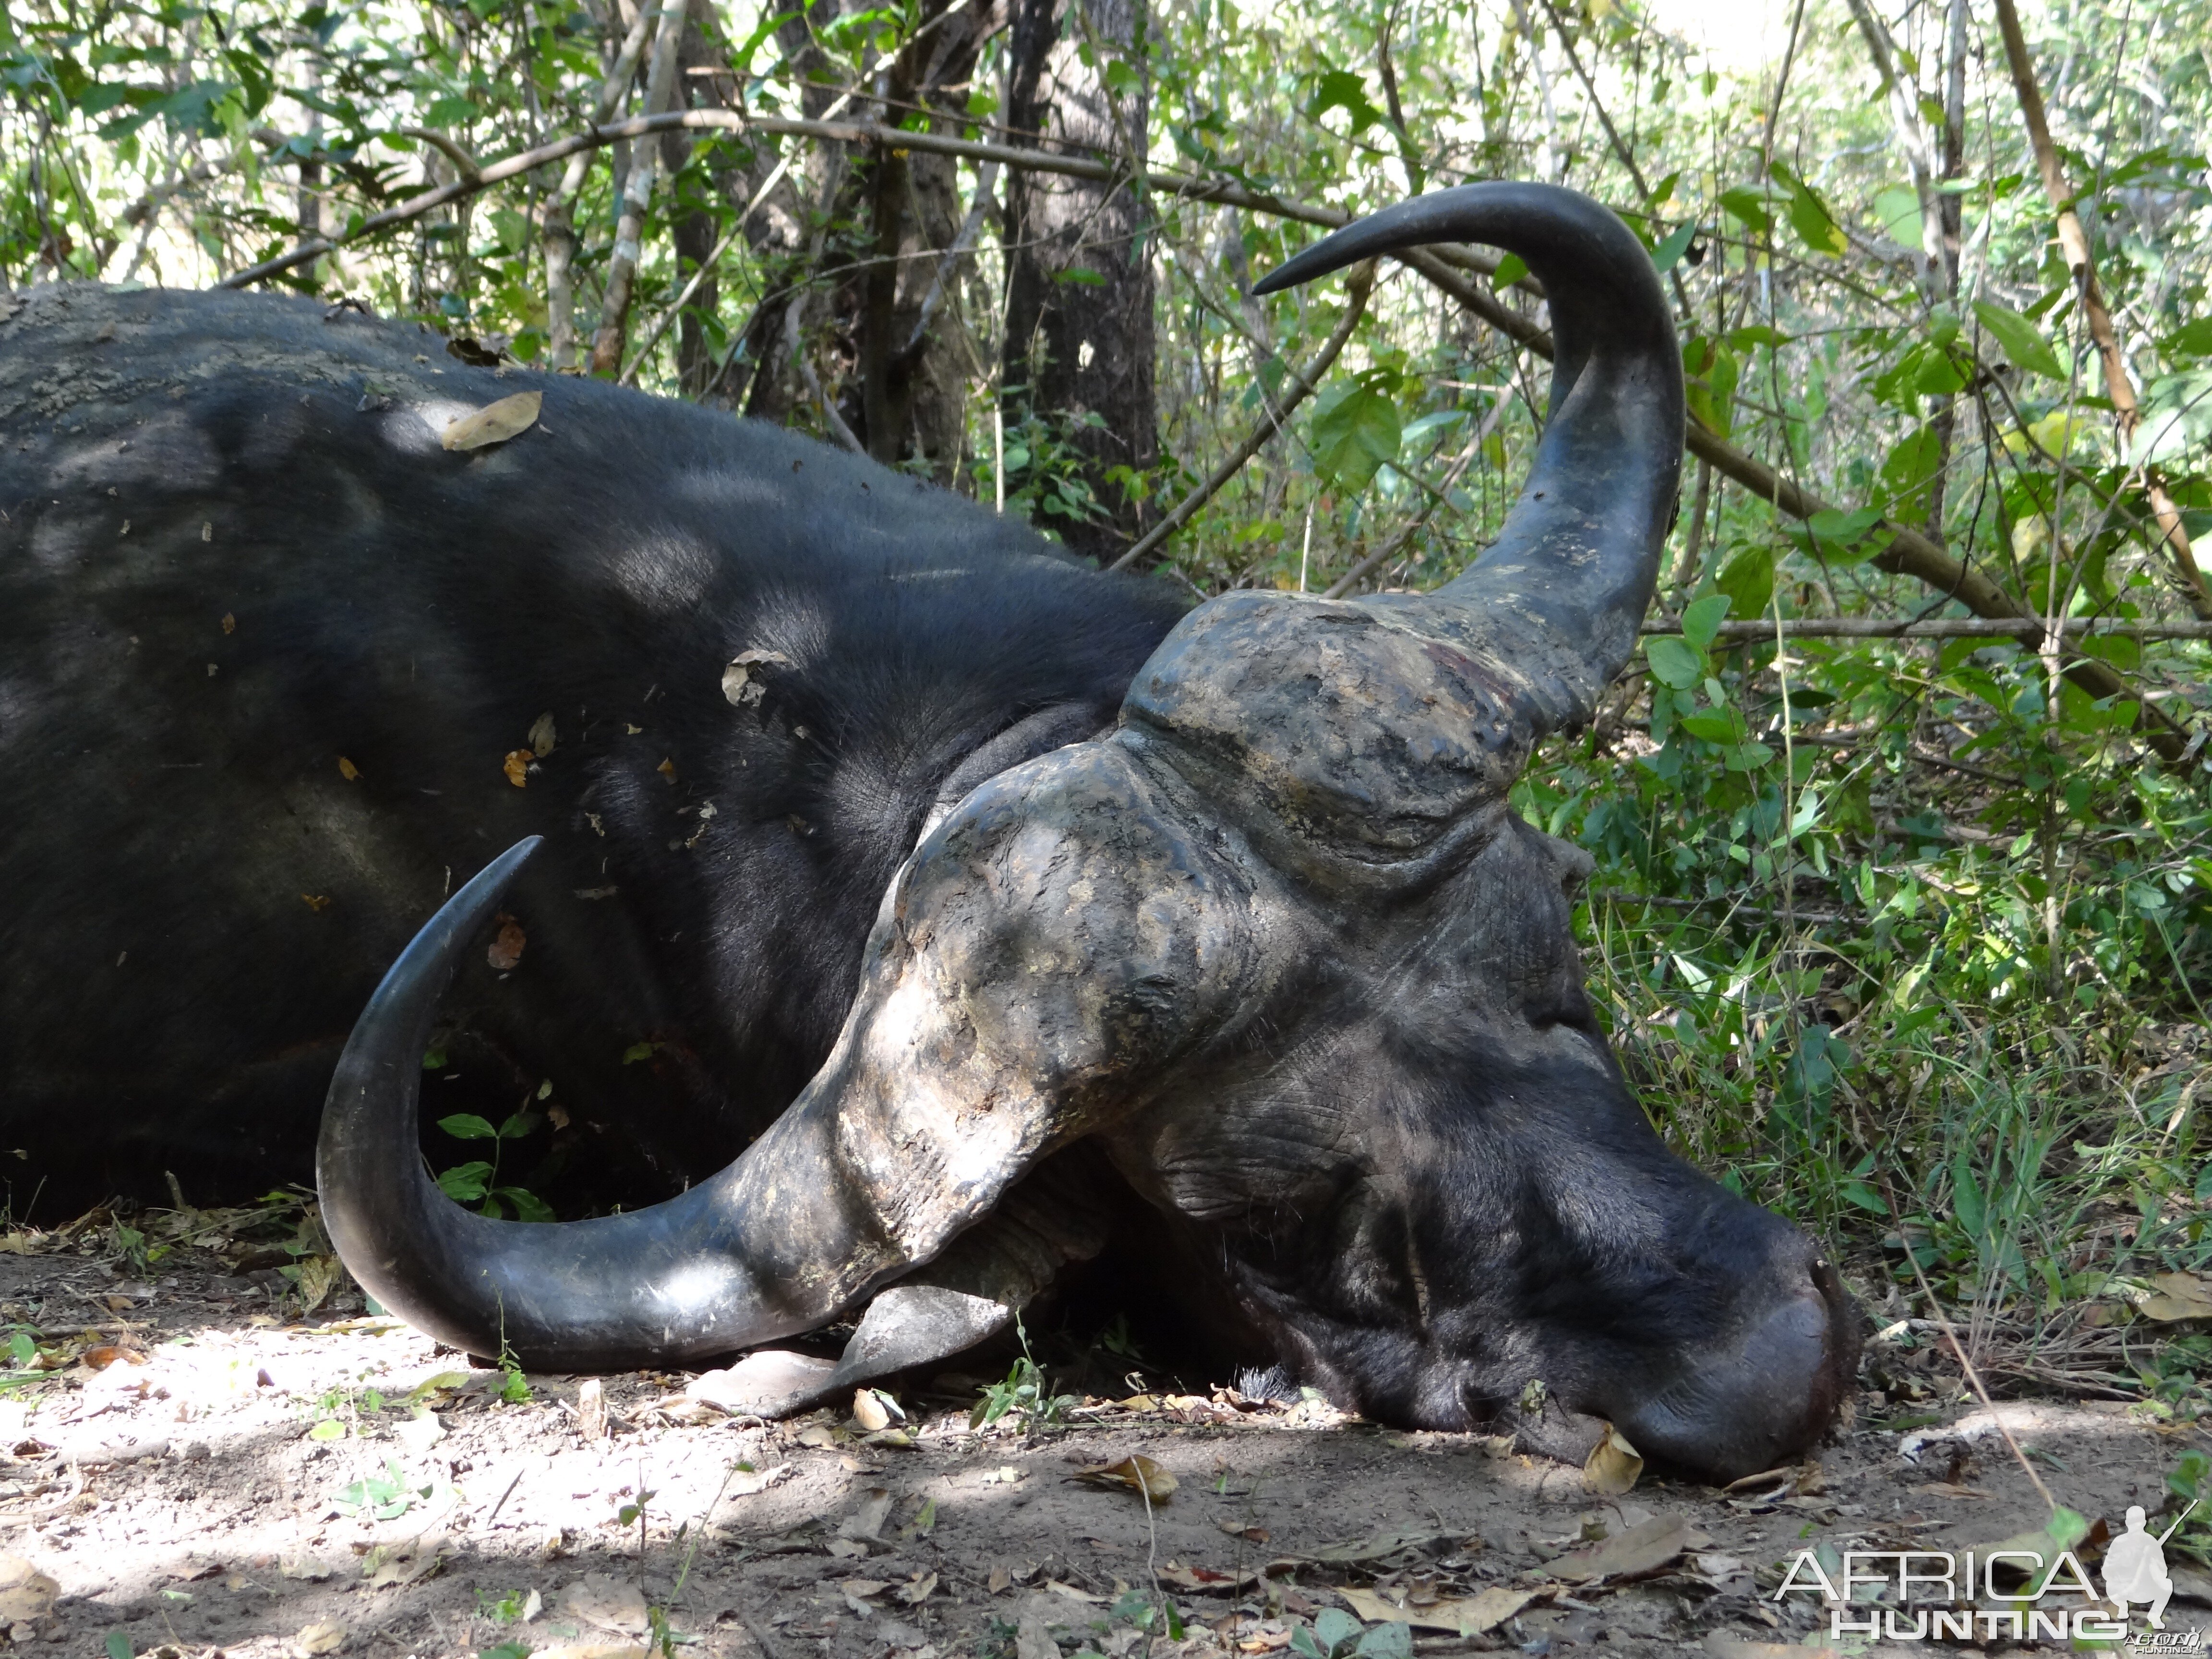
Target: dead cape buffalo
x=991 y=882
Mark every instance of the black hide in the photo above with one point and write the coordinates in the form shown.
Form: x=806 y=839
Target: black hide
x=235 y=561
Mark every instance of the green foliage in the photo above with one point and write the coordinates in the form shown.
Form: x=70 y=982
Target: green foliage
x=477 y=1181
x=1354 y=431
x=383 y=1497
x=1336 y=1634
x=1023 y=1395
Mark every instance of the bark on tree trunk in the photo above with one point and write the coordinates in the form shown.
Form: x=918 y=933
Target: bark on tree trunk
x=912 y=366
x=1080 y=291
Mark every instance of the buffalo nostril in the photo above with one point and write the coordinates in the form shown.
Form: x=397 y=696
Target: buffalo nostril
x=1757 y=1401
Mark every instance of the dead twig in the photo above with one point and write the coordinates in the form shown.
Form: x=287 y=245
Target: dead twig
x=2073 y=243
x=1300 y=388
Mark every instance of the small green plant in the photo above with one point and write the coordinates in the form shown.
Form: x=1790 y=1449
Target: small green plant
x=340 y=1408
x=118 y=1645
x=385 y=1496
x=1336 y=1634
x=2190 y=1488
x=1024 y=1393
x=515 y=1649
x=477 y=1181
x=507 y=1609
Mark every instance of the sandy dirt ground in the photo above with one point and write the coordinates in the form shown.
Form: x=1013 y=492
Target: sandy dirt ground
x=198 y=1468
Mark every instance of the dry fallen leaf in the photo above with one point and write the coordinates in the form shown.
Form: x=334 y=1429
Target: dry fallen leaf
x=496 y=423
x=1613 y=1465
x=916 y=1590
x=1648 y=1545
x=1135 y=1473
x=599 y=1599
x=1204 y=1581
x=1373 y=1549
x=1469 y=1615
x=25 y=1593
x=324 y=1636
x=319 y=1276
x=867 y=1521
x=592 y=1410
x=505 y=952
x=100 y=1358
x=739 y=683
x=517 y=768
x=2177 y=1296
x=869 y=1410
x=387 y=1564
x=418 y=1433
x=743 y=1484
x=311 y=1568
x=1249 y=1535
x=864 y=1588
x=998 y=1581
x=348 y=770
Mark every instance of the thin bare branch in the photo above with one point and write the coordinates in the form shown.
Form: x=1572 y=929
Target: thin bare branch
x=1296 y=392
x=2073 y=243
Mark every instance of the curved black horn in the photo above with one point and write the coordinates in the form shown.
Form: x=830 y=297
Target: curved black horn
x=774 y=1244
x=1575 y=564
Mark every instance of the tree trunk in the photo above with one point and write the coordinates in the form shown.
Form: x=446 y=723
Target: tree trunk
x=1080 y=291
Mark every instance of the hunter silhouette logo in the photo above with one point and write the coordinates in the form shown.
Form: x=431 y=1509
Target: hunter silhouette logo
x=1920 y=1595
x=2135 y=1568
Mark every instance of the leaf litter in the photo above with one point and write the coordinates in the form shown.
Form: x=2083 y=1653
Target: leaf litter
x=1282 y=1519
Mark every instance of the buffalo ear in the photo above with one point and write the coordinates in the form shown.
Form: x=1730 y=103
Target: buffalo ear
x=974 y=1291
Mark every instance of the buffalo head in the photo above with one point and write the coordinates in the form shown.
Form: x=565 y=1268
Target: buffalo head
x=1278 y=944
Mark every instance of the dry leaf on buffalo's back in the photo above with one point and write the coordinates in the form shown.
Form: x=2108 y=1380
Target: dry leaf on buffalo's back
x=1648 y=1545
x=1469 y=1615
x=740 y=685
x=348 y=770
x=1613 y=1465
x=495 y=423
x=599 y=1599
x=506 y=951
x=542 y=740
x=516 y=766
x=2177 y=1296
x=25 y=1592
x=1135 y=1473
